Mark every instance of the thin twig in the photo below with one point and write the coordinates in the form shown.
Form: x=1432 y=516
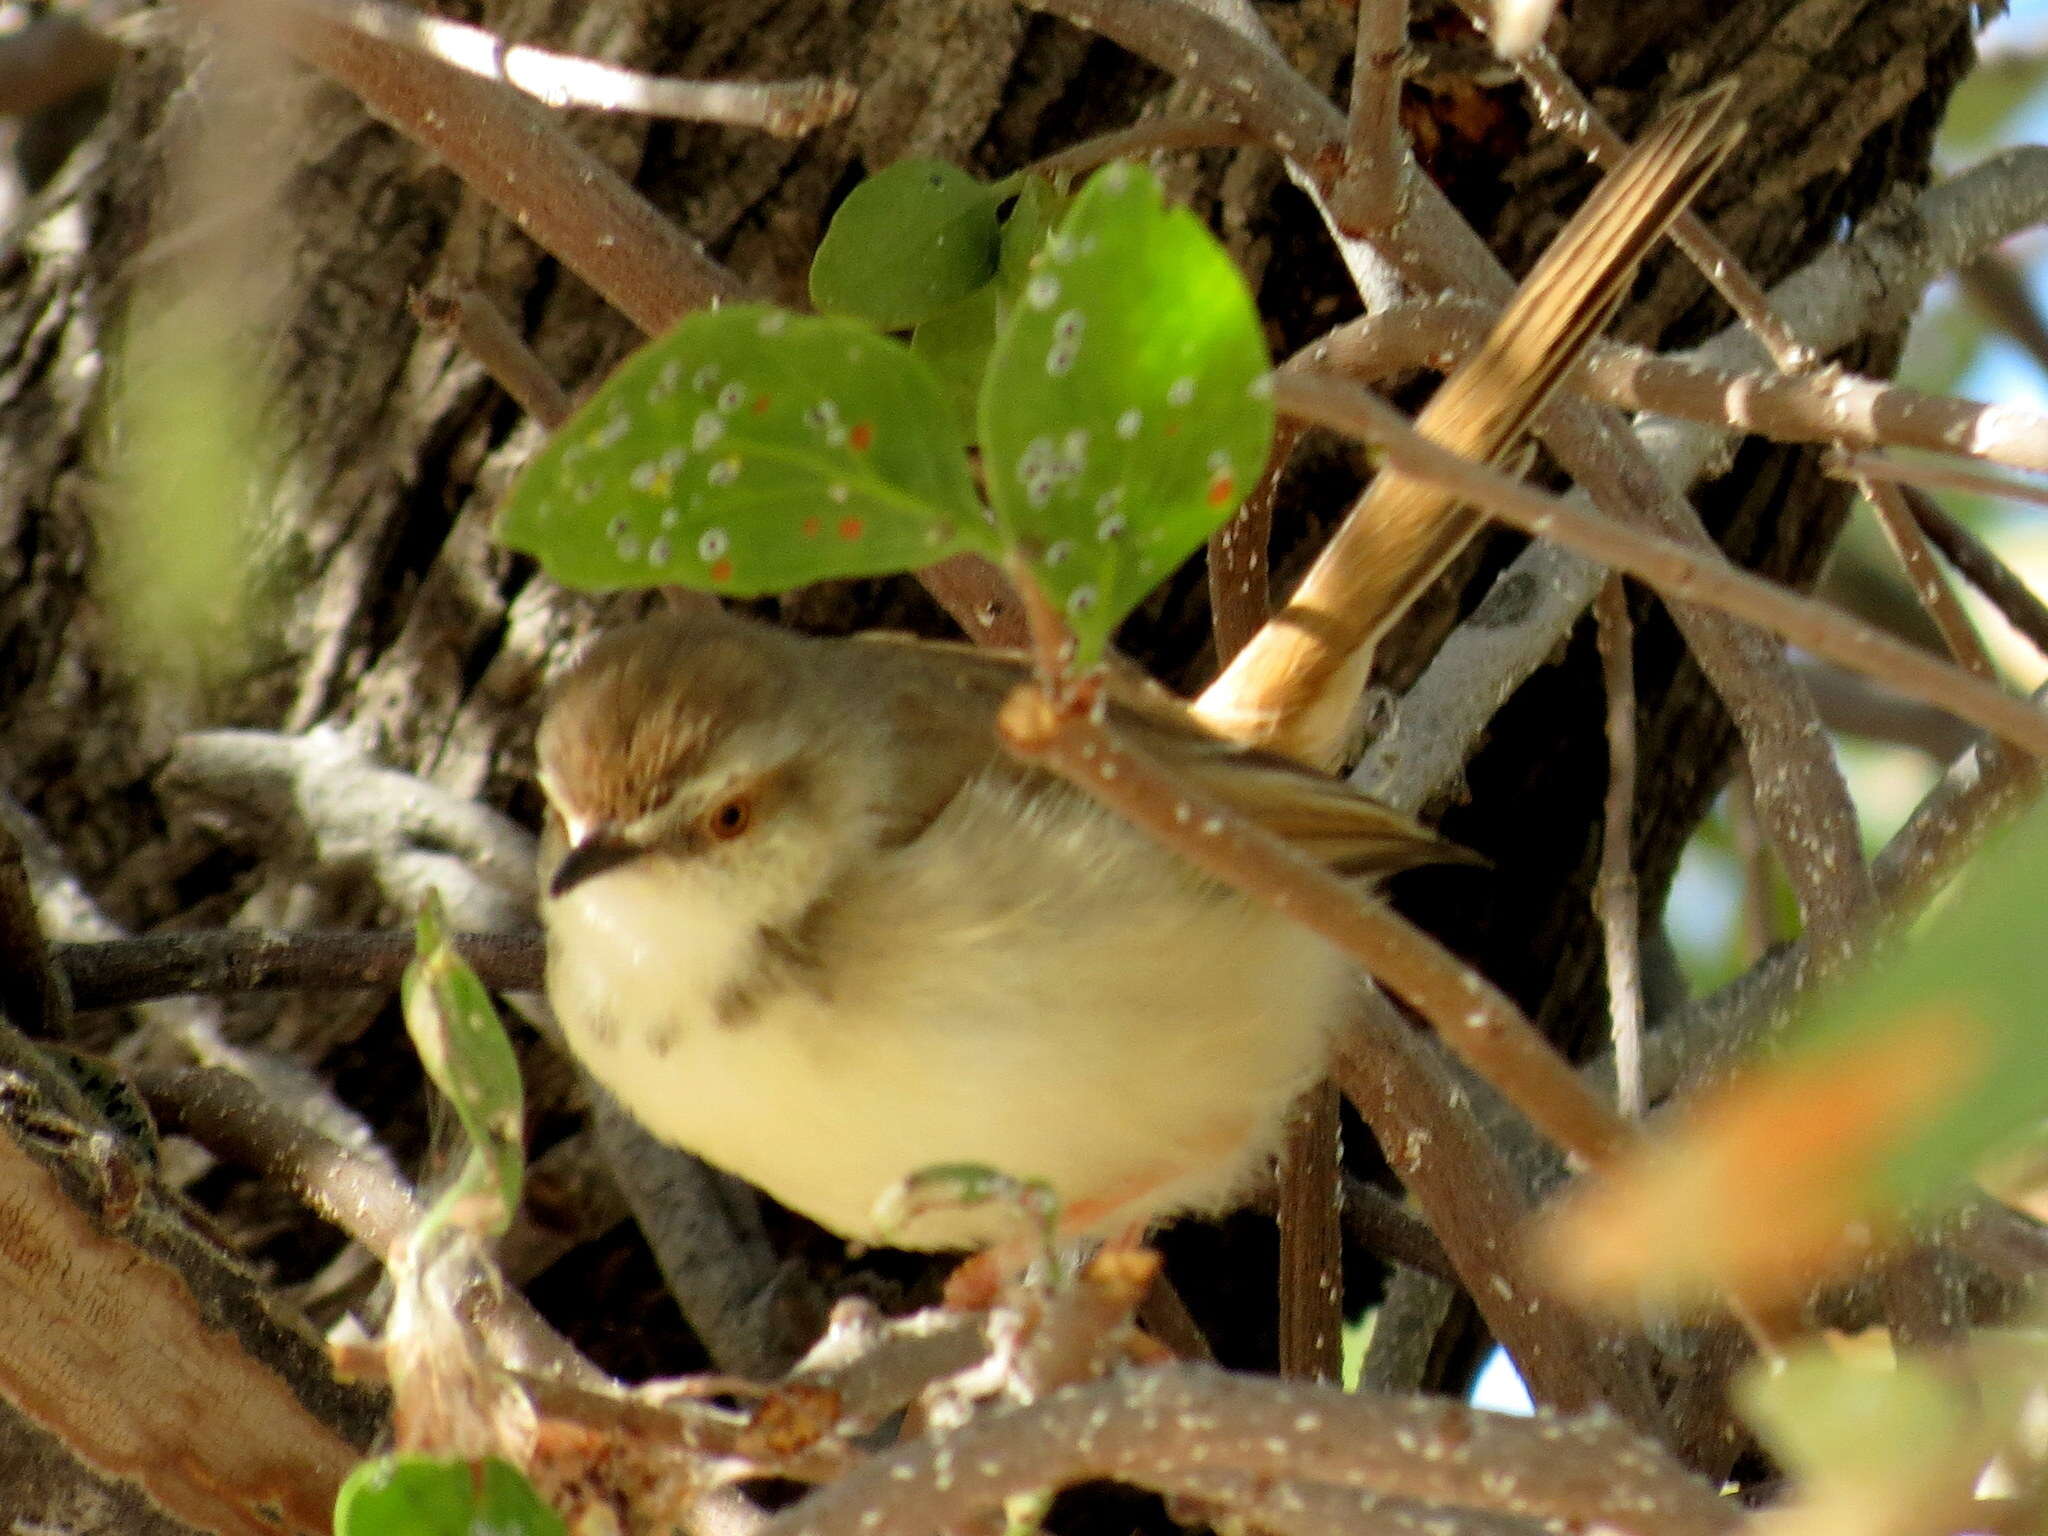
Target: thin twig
x=1996 y=286
x=786 y=108
x=1983 y=788
x=482 y=330
x=1476 y=1019
x=1240 y=555
x=1827 y=405
x=234 y=961
x=1375 y=1221
x=979 y=598
x=1366 y=197
x=1148 y=136
x=1806 y=805
x=1275 y=104
x=1855 y=706
x=1164 y=1314
x=1676 y=571
x=1566 y=111
x=1934 y=477
x=1929 y=582
x=515 y=154
x=1977 y=565
x=1311 y=1241
x=1615 y=892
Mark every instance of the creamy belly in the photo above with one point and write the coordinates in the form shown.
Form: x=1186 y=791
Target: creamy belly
x=1139 y=1065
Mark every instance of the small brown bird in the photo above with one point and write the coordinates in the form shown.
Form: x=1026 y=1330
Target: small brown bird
x=807 y=920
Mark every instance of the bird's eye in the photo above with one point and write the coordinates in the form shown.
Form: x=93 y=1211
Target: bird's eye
x=730 y=819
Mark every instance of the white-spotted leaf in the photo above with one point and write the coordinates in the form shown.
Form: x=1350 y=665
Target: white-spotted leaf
x=905 y=244
x=1127 y=407
x=750 y=450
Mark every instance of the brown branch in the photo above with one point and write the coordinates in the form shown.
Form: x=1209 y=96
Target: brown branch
x=1929 y=582
x=137 y=1348
x=1164 y=1314
x=1981 y=789
x=227 y=962
x=1311 y=1241
x=1678 y=572
x=1152 y=1428
x=786 y=108
x=1366 y=198
x=1240 y=555
x=1615 y=895
x=1984 y=788
x=1252 y=1501
x=1476 y=1019
x=481 y=329
x=513 y=153
x=1476 y=1206
x=231 y=1117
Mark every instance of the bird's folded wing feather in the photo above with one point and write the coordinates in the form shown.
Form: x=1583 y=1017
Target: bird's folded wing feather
x=1322 y=816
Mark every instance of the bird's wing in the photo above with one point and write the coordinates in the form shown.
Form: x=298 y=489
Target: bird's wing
x=1324 y=817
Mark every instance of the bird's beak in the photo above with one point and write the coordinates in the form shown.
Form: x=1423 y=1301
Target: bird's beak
x=591 y=854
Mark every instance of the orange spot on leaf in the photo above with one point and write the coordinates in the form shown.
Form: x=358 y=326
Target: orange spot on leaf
x=862 y=437
x=851 y=528
x=813 y=526
x=760 y=405
x=721 y=570
x=1220 y=490
x=1173 y=429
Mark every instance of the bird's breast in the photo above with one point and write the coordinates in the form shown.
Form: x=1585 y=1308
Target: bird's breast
x=1136 y=1055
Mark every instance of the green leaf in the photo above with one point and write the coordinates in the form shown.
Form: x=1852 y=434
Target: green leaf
x=1032 y=217
x=748 y=451
x=1822 y=1413
x=1881 y=1445
x=1968 y=983
x=426 y=1496
x=905 y=244
x=455 y=1029
x=1127 y=408
x=956 y=343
